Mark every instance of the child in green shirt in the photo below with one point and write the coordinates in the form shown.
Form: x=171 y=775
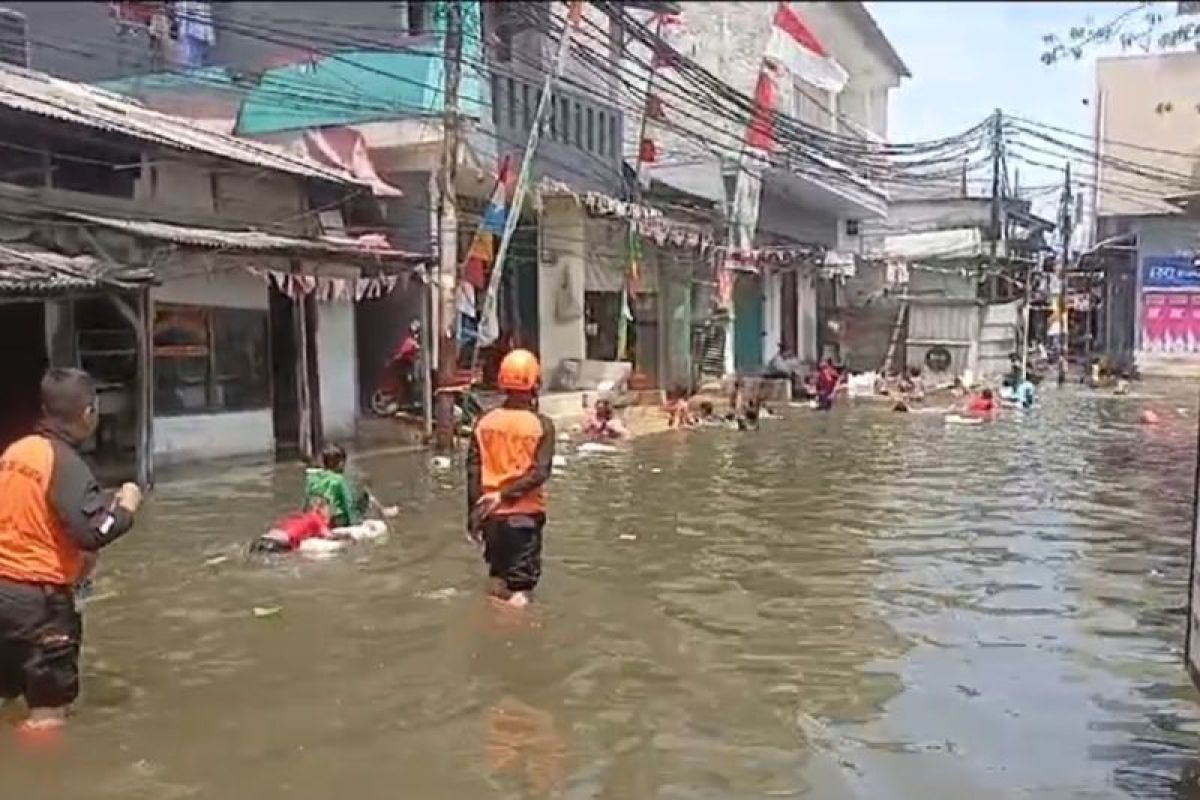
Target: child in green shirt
x=329 y=485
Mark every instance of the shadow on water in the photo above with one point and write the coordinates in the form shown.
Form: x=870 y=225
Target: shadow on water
x=852 y=605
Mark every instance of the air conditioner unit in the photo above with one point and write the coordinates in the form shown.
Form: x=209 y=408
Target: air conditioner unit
x=14 y=38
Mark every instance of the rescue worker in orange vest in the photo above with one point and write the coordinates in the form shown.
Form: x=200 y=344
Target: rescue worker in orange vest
x=53 y=520
x=508 y=464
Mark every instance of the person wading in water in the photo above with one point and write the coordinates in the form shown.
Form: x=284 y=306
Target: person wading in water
x=53 y=520
x=508 y=464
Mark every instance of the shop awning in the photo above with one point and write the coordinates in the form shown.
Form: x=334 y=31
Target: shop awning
x=249 y=240
x=34 y=273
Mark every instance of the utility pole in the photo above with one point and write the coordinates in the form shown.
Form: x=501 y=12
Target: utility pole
x=1065 y=224
x=447 y=272
x=997 y=158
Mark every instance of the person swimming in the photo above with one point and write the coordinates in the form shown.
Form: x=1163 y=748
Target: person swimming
x=288 y=533
x=981 y=405
x=679 y=414
x=602 y=424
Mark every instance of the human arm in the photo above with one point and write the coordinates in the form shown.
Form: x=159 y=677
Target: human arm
x=543 y=463
x=93 y=519
x=474 y=474
x=347 y=502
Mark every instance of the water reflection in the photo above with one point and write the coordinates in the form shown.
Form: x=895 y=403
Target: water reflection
x=848 y=605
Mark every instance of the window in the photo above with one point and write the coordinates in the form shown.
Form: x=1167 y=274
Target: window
x=14 y=38
x=852 y=227
x=553 y=119
x=511 y=98
x=614 y=136
x=591 y=130
x=209 y=360
x=526 y=107
x=578 y=125
x=82 y=166
x=497 y=99
x=602 y=133
x=504 y=25
x=419 y=17
x=564 y=120
x=813 y=105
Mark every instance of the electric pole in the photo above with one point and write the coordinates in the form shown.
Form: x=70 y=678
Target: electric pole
x=997 y=146
x=1065 y=224
x=447 y=272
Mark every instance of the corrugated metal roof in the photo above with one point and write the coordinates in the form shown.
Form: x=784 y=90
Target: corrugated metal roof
x=240 y=240
x=27 y=271
x=35 y=92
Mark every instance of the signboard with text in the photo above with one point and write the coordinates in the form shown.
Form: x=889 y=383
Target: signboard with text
x=1170 y=305
x=1170 y=273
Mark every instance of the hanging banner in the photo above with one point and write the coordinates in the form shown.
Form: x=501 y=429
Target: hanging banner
x=1171 y=322
x=1170 y=305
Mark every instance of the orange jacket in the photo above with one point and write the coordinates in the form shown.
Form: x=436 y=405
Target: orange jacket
x=511 y=452
x=51 y=512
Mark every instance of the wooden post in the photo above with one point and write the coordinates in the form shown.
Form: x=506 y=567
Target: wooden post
x=136 y=314
x=303 y=388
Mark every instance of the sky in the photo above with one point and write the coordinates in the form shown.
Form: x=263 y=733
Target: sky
x=968 y=59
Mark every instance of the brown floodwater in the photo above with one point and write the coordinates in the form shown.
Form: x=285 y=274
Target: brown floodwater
x=853 y=605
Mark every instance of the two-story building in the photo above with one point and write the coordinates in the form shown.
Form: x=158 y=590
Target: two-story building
x=1146 y=225
x=236 y=335
x=360 y=85
x=809 y=206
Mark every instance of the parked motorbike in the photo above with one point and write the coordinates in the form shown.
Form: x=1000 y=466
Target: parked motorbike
x=399 y=389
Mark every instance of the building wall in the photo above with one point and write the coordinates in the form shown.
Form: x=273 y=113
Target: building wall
x=203 y=436
x=563 y=234
x=1159 y=236
x=337 y=364
x=1148 y=102
x=56 y=30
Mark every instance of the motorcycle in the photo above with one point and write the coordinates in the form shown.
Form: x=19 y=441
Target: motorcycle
x=399 y=389
x=404 y=380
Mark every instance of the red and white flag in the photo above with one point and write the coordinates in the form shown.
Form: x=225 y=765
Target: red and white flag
x=797 y=49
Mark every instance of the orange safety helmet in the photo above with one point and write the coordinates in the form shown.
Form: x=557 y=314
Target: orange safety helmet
x=519 y=372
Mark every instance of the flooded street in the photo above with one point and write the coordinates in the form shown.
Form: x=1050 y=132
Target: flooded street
x=854 y=605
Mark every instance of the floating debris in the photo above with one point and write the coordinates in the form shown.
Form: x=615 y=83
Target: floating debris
x=213 y=561
x=560 y=461
x=261 y=612
x=628 y=537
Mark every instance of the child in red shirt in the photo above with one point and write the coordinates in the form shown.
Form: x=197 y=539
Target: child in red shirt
x=982 y=404
x=289 y=532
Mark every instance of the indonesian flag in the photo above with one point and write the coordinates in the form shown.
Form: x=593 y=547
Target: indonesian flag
x=760 y=135
x=793 y=46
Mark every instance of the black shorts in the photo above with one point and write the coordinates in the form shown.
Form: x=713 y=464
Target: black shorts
x=40 y=633
x=513 y=550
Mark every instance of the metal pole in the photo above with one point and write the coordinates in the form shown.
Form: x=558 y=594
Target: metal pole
x=428 y=298
x=448 y=231
x=487 y=308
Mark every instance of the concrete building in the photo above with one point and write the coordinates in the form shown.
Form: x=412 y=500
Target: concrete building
x=1146 y=117
x=244 y=344
x=935 y=276
x=280 y=72
x=808 y=205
